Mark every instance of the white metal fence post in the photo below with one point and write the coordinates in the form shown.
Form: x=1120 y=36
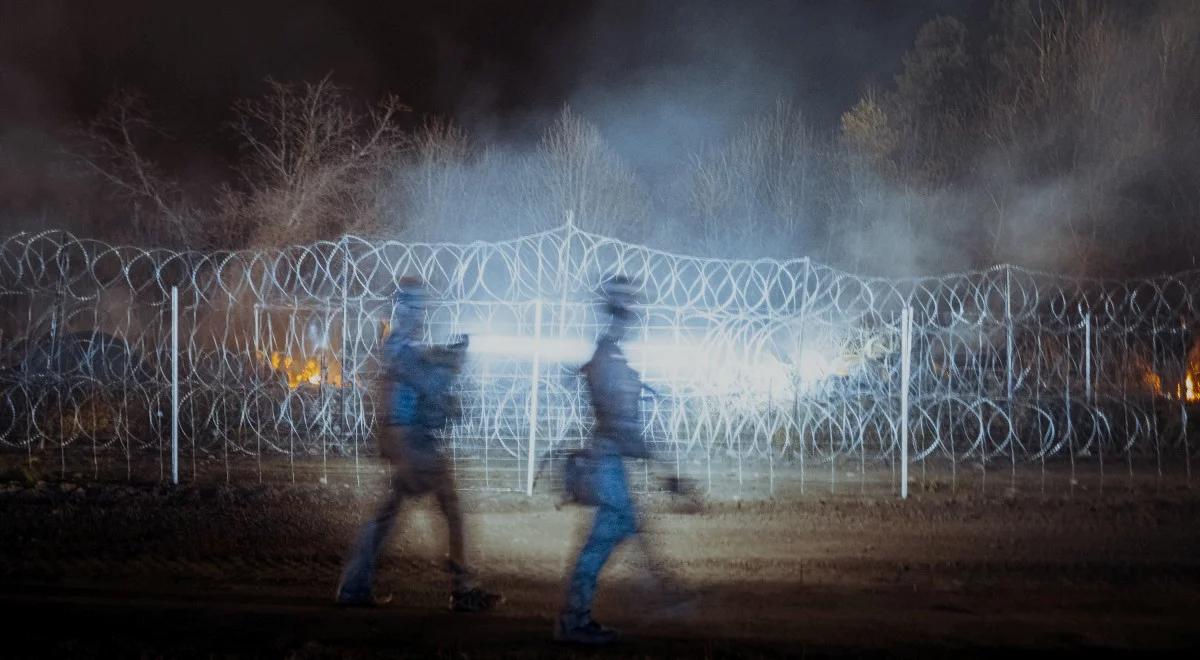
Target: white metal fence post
x=1087 y=356
x=1010 y=356
x=905 y=374
x=535 y=381
x=562 y=277
x=175 y=385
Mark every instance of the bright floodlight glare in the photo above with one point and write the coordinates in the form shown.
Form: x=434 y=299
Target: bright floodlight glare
x=524 y=348
x=815 y=365
x=708 y=369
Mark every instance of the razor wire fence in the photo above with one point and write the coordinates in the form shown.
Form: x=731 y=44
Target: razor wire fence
x=763 y=370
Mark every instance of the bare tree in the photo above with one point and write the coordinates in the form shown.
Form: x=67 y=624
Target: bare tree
x=310 y=169
x=446 y=186
x=766 y=181
x=575 y=172
x=1084 y=112
x=309 y=162
x=112 y=146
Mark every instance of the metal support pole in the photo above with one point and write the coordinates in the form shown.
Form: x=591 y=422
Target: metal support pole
x=562 y=280
x=175 y=385
x=905 y=375
x=563 y=274
x=1087 y=356
x=797 y=383
x=1183 y=401
x=1009 y=351
x=260 y=353
x=535 y=382
x=770 y=439
x=1008 y=340
x=345 y=380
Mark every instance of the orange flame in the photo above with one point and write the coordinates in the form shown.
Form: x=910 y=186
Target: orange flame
x=307 y=371
x=1187 y=389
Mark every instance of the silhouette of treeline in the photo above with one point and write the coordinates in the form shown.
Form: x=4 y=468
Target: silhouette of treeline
x=1055 y=134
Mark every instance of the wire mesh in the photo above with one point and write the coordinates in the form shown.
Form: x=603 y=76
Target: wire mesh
x=756 y=364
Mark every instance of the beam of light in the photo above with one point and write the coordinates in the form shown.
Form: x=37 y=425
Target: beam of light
x=814 y=365
x=715 y=369
x=523 y=348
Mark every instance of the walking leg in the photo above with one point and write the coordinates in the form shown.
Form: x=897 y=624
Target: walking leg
x=465 y=593
x=354 y=587
x=615 y=521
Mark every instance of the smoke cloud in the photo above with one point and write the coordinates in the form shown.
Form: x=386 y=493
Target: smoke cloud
x=885 y=138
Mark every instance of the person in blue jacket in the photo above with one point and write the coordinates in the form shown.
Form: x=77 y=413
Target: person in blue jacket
x=416 y=402
x=616 y=390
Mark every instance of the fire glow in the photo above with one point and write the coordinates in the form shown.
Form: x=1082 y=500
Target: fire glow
x=1187 y=389
x=307 y=371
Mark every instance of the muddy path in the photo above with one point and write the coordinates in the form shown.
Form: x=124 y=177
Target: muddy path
x=248 y=572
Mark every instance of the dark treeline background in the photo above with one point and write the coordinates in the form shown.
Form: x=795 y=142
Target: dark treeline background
x=1055 y=134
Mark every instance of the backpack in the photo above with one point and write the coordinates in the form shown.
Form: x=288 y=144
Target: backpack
x=578 y=478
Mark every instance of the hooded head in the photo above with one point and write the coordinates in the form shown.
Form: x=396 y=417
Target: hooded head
x=408 y=307
x=619 y=295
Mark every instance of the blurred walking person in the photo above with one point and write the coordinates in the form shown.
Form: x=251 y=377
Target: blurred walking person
x=414 y=394
x=597 y=477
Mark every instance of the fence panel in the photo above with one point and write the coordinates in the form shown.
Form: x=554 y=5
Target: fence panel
x=767 y=376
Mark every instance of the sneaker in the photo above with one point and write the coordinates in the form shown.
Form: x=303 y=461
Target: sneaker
x=462 y=578
x=590 y=632
x=475 y=599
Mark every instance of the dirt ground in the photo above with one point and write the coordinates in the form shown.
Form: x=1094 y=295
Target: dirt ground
x=216 y=571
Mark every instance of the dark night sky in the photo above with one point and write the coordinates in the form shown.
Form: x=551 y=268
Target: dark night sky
x=495 y=65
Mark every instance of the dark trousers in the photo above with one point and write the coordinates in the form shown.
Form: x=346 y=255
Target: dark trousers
x=418 y=469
